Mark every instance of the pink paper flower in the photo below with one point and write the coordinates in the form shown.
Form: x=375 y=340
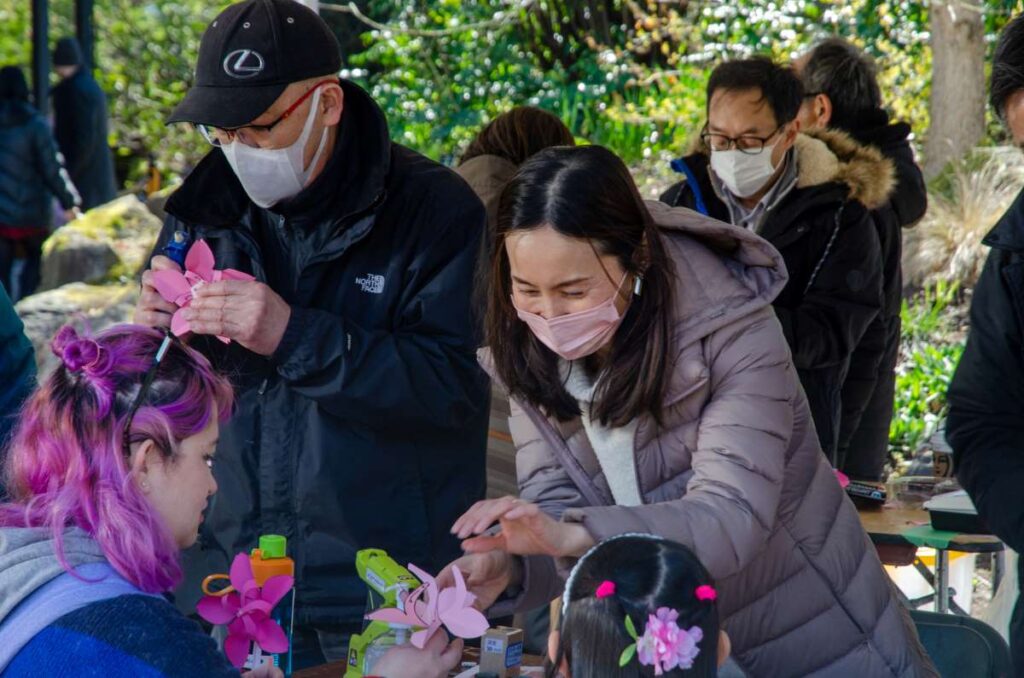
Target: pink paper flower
x=246 y=611
x=665 y=646
x=428 y=608
x=843 y=479
x=179 y=288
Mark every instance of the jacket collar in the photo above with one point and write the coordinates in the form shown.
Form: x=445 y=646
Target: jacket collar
x=351 y=182
x=1008 y=233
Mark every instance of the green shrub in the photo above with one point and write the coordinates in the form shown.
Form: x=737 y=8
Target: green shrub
x=931 y=346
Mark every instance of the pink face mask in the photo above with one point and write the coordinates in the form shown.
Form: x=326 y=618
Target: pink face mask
x=576 y=335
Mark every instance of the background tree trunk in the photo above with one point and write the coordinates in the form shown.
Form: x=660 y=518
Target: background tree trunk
x=957 y=106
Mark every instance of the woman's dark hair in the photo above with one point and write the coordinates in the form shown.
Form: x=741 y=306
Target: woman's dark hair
x=648 y=573
x=1007 y=65
x=778 y=84
x=518 y=134
x=13 y=86
x=587 y=193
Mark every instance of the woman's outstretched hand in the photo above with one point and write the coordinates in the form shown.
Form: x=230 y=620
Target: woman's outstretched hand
x=524 y=530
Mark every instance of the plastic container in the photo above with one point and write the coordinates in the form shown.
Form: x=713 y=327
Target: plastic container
x=397 y=634
x=911 y=492
x=267 y=561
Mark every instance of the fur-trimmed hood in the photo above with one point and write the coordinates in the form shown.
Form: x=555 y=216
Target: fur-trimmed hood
x=832 y=156
x=827 y=155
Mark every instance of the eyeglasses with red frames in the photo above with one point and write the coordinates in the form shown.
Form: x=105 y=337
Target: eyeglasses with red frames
x=219 y=136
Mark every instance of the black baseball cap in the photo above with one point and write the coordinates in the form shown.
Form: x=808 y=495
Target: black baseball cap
x=250 y=53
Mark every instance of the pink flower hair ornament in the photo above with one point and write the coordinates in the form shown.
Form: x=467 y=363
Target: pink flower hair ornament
x=179 y=288
x=663 y=644
x=428 y=608
x=245 y=607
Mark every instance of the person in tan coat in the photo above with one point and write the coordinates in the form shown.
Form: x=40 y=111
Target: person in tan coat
x=654 y=392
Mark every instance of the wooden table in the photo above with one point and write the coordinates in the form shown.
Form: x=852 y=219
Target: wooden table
x=903 y=527
x=337 y=669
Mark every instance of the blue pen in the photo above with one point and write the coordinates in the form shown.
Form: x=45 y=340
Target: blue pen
x=177 y=248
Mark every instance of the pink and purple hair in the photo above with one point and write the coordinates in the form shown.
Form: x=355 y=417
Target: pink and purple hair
x=66 y=466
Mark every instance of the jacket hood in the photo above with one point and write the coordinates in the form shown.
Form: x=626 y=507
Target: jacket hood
x=28 y=560
x=826 y=156
x=1008 y=233
x=831 y=156
x=722 y=273
x=488 y=175
x=486 y=171
x=910 y=195
x=15 y=113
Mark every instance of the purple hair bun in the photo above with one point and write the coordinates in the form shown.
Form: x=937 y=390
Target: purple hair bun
x=81 y=354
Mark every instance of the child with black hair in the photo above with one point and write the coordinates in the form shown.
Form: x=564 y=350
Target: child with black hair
x=638 y=605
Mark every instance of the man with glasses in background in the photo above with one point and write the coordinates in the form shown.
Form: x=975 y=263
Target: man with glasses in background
x=361 y=414
x=807 y=196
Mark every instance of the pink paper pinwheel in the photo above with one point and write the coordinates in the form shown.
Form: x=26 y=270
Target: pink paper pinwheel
x=179 y=288
x=246 y=611
x=428 y=608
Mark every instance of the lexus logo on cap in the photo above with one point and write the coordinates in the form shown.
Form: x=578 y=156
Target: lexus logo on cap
x=243 y=63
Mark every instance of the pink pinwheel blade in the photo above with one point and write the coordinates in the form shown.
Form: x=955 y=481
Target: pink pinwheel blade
x=171 y=285
x=420 y=638
x=232 y=274
x=237 y=650
x=179 y=325
x=276 y=588
x=271 y=637
x=218 y=610
x=392 y=615
x=241 y=570
x=200 y=260
x=461 y=619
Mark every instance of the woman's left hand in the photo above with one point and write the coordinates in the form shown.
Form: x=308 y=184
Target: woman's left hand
x=525 y=530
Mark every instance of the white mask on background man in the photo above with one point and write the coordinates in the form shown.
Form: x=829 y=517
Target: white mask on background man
x=743 y=174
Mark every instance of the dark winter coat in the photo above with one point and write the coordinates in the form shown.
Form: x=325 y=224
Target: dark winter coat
x=80 y=123
x=869 y=389
x=368 y=425
x=824 y=232
x=985 y=427
x=17 y=369
x=30 y=169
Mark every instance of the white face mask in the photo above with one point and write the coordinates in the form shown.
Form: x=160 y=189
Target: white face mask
x=270 y=175
x=743 y=174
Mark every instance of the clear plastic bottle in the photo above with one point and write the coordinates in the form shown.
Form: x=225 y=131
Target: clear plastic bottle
x=398 y=634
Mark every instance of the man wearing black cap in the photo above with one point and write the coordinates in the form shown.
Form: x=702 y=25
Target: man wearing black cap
x=361 y=414
x=80 y=125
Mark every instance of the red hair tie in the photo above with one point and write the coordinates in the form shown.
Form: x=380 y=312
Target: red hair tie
x=606 y=589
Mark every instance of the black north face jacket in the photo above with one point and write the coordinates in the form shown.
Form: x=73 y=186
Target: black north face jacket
x=368 y=425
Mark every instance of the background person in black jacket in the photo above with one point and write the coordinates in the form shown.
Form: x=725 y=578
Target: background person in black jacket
x=80 y=123
x=985 y=427
x=362 y=414
x=841 y=93
x=30 y=176
x=807 y=197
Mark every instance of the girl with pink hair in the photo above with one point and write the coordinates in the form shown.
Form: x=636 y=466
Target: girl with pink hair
x=109 y=473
